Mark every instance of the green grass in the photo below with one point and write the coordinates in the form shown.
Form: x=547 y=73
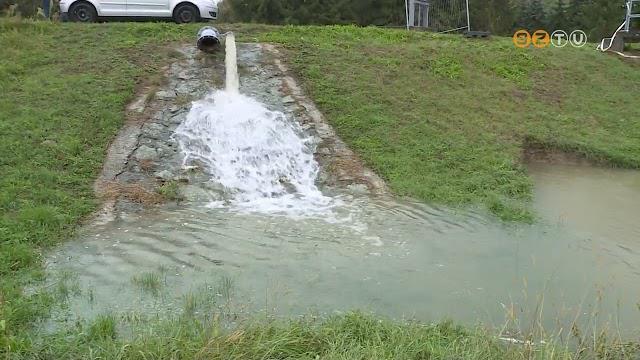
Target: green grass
x=349 y=336
x=440 y=118
x=102 y=328
x=66 y=285
x=170 y=190
x=64 y=91
x=148 y=281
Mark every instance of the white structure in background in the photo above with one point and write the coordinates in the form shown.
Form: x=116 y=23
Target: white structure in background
x=625 y=32
x=438 y=15
x=633 y=12
x=418 y=12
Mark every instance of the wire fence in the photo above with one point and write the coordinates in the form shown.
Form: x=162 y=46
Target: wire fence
x=438 y=15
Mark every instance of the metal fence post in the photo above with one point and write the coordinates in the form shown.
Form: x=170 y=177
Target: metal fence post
x=468 y=17
x=46 y=8
x=406 y=12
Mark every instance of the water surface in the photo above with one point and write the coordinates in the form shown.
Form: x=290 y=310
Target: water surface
x=598 y=202
x=393 y=258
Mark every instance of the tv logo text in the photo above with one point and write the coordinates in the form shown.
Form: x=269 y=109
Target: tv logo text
x=541 y=39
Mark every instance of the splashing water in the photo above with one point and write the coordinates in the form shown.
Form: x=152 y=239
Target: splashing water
x=258 y=155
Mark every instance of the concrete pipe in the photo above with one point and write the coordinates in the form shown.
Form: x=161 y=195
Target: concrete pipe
x=208 y=39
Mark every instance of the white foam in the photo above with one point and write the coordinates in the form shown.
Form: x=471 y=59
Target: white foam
x=260 y=157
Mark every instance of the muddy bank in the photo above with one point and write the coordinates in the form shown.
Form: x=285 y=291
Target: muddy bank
x=537 y=153
x=534 y=151
x=144 y=157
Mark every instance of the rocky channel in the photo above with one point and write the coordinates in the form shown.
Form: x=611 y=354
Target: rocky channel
x=144 y=157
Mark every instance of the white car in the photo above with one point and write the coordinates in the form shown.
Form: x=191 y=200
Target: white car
x=182 y=11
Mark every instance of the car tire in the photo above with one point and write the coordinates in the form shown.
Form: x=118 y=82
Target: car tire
x=186 y=13
x=83 y=12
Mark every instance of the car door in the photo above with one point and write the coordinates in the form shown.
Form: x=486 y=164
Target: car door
x=111 y=7
x=153 y=8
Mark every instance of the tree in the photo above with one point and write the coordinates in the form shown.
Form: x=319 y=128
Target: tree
x=535 y=18
x=600 y=18
x=575 y=15
x=522 y=10
x=496 y=16
x=25 y=8
x=558 y=18
x=596 y=17
x=271 y=12
x=242 y=10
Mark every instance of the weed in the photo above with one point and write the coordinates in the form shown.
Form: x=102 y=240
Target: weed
x=148 y=281
x=67 y=285
x=132 y=192
x=170 y=190
x=190 y=303
x=103 y=328
x=225 y=288
x=91 y=296
x=446 y=66
x=132 y=317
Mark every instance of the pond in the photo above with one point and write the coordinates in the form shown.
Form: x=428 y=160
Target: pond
x=396 y=258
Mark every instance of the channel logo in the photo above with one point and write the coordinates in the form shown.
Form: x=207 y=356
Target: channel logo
x=541 y=39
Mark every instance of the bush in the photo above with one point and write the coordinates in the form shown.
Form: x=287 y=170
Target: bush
x=24 y=8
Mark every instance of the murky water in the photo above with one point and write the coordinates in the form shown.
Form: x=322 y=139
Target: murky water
x=408 y=260
x=598 y=202
x=393 y=257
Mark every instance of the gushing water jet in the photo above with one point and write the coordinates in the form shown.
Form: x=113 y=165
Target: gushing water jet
x=231 y=65
x=259 y=156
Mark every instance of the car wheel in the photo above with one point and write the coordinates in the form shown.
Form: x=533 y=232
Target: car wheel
x=186 y=14
x=83 y=12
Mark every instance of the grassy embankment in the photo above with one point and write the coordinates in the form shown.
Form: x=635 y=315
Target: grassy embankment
x=441 y=118
x=446 y=119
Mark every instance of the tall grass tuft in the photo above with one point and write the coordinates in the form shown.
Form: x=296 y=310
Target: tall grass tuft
x=103 y=328
x=148 y=281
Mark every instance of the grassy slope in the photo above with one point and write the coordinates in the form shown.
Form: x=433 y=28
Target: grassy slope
x=63 y=93
x=445 y=119
x=440 y=117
